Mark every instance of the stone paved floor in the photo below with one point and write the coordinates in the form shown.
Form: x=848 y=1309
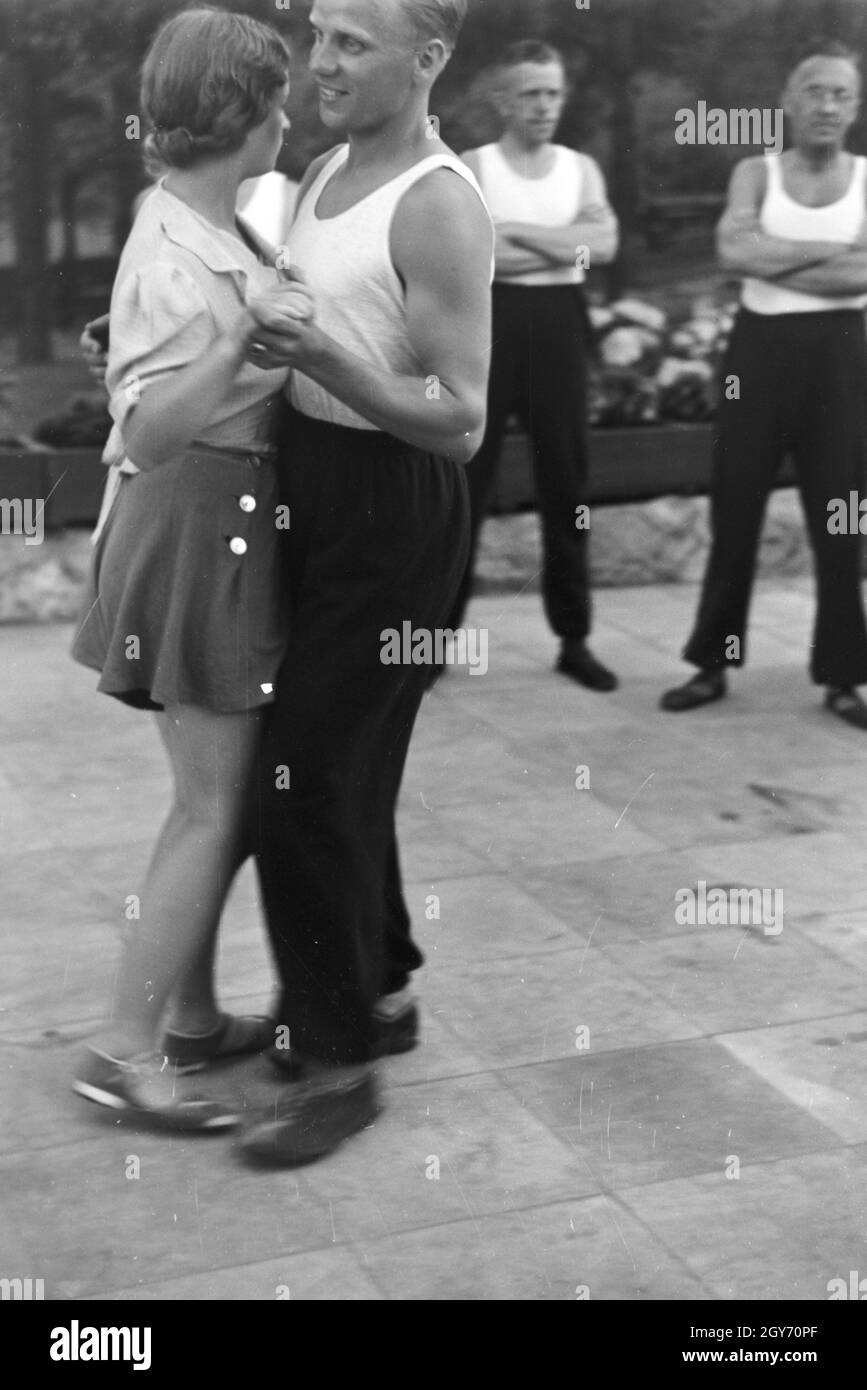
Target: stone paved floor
x=611 y=1166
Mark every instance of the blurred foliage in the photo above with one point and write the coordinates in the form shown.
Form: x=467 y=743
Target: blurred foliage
x=69 y=70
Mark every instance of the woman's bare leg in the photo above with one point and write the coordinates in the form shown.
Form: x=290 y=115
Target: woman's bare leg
x=193 y=1009
x=169 y=953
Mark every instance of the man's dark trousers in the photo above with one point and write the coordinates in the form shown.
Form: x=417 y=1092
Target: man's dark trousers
x=539 y=373
x=378 y=537
x=797 y=383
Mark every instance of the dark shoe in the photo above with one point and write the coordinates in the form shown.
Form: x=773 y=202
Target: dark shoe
x=310 y=1119
x=233 y=1037
x=848 y=705
x=580 y=664
x=290 y=1064
x=700 y=690
x=145 y=1087
x=396 y=1018
x=397 y=1023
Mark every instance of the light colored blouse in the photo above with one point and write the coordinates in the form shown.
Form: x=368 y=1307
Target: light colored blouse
x=181 y=284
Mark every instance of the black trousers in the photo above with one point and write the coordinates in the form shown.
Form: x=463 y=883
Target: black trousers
x=538 y=372
x=378 y=536
x=803 y=390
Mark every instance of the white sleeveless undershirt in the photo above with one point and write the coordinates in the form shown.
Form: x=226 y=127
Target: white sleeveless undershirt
x=552 y=201
x=782 y=217
x=360 y=299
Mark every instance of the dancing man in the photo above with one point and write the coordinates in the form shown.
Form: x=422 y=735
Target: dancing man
x=387 y=405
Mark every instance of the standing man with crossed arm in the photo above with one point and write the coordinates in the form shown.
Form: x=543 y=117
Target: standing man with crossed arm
x=552 y=218
x=794 y=229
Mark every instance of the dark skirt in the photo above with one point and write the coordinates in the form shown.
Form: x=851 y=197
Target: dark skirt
x=186 y=602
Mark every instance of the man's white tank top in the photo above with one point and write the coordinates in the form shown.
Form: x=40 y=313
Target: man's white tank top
x=553 y=201
x=782 y=217
x=360 y=300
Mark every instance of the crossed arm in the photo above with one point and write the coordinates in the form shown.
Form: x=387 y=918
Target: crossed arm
x=833 y=268
x=523 y=247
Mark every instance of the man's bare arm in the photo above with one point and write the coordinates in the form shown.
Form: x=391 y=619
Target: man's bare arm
x=845 y=275
x=560 y=245
x=442 y=406
x=512 y=259
x=744 y=249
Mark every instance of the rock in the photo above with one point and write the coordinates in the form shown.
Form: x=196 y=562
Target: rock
x=637 y=311
x=43 y=583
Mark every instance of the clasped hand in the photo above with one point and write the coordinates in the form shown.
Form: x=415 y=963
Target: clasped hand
x=284 y=318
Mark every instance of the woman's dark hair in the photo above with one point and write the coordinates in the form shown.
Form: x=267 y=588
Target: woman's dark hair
x=208 y=79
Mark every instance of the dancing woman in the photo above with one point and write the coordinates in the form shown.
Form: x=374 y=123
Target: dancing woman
x=185 y=614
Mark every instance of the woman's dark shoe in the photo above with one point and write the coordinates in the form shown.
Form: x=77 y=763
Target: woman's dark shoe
x=700 y=690
x=848 y=705
x=310 y=1119
x=233 y=1037
x=580 y=664
x=144 y=1086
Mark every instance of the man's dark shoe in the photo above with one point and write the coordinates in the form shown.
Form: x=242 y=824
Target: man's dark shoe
x=700 y=690
x=289 y=1063
x=848 y=705
x=396 y=1019
x=310 y=1119
x=578 y=662
x=397 y=1023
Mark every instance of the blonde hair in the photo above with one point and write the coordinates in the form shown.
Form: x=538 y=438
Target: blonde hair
x=438 y=19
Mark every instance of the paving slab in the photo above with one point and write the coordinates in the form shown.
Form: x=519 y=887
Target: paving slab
x=608 y=1101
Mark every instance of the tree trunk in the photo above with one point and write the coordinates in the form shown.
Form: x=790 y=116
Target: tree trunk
x=68 y=288
x=30 y=185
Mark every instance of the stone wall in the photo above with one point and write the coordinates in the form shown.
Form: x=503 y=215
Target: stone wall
x=42 y=583
x=659 y=542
